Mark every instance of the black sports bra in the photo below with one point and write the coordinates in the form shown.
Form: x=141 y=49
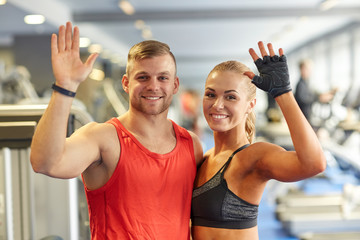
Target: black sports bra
x=214 y=205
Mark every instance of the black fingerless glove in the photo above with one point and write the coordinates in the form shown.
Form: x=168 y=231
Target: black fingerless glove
x=274 y=75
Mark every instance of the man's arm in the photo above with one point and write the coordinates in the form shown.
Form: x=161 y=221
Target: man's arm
x=51 y=153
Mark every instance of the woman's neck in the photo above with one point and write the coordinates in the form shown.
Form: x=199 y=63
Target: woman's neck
x=229 y=140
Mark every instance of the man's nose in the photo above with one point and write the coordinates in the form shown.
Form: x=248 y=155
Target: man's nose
x=153 y=83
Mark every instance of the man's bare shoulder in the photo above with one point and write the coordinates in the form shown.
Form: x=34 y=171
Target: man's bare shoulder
x=95 y=127
x=102 y=133
x=105 y=136
x=198 y=150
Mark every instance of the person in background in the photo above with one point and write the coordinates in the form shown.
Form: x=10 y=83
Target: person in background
x=231 y=180
x=304 y=95
x=138 y=169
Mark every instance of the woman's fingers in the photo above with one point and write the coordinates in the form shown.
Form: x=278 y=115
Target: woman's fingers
x=264 y=52
x=262 y=49
x=281 y=52
x=271 y=49
x=253 y=54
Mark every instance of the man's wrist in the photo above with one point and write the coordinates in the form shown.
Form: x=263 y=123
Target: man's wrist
x=63 y=91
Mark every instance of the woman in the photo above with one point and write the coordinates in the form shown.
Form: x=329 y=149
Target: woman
x=232 y=178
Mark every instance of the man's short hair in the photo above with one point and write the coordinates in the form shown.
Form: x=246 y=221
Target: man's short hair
x=148 y=49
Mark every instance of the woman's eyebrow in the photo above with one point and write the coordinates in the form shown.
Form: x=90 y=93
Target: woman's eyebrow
x=229 y=91
x=208 y=88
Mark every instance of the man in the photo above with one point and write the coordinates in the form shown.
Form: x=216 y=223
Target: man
x=304 y=96
x=138 y=169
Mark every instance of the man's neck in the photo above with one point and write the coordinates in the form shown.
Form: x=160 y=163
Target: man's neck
x=154 y=133
x=145 y=125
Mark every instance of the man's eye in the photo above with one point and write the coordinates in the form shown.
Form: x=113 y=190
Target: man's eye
x=163 y=78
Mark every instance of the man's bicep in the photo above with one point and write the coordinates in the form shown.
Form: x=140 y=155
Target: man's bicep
x=81 y=150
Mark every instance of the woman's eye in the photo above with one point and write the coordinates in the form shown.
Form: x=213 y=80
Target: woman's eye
x=210 y=95
x=231 y=97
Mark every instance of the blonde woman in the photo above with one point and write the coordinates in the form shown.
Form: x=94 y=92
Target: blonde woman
x=231 y=180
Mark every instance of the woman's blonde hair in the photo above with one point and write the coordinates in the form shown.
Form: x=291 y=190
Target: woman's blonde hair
x=240 y=68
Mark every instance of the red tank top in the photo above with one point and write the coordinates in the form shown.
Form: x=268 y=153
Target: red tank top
x=149 y=194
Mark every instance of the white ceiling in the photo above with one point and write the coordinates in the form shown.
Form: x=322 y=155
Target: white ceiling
x=201 y=33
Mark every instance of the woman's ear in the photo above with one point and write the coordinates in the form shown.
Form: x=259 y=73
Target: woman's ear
x=251 y=106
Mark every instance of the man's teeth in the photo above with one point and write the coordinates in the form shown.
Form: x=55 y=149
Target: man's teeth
x=152 y=98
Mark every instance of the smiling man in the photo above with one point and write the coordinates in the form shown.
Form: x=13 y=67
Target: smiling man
x=138 y=169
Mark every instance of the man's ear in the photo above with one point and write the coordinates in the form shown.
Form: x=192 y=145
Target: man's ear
x=125 y=83
x=176 y=85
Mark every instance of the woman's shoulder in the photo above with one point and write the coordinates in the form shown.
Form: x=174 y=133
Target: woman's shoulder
x=258 y=150
x=208 y=153
x=263 y=146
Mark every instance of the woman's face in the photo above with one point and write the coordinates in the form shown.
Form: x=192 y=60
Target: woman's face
x=225 y=102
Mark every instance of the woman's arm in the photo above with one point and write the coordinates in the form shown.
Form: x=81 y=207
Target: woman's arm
x=308 y=158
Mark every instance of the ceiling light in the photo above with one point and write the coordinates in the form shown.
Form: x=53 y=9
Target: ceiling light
x=139 y=24
x=95 y=48
x=97 y=75
x=327 y=4
x=105 y=54
x=2 y=2
x=34 y=19
x=126 y=7
x=118 y=59
x=146 y=33
x=84 y=42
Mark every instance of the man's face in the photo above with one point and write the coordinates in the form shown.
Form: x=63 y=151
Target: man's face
x=151 y=84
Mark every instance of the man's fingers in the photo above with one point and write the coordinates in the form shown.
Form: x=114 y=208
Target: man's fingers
x=54 y=44
x=68 y=36
x=91 y=59
x=61 y=38
x=76 y=40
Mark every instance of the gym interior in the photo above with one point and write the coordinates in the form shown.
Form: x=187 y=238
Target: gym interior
x=326 y=206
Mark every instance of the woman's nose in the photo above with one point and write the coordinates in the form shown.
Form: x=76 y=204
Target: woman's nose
x=219 y=103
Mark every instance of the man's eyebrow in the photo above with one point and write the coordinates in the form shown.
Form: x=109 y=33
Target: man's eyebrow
x=165 y=73
x=161 y=73
x=141 y=72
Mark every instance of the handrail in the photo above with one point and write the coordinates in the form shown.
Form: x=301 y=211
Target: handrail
x=22 y=110
x=114 y=98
